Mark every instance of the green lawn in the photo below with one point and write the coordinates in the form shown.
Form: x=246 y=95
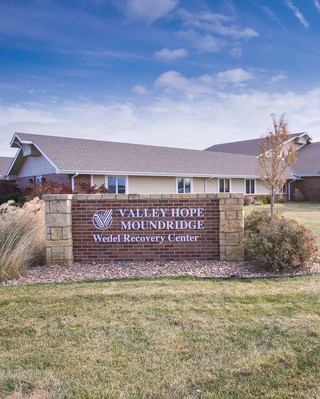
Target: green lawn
x=307 y=213
x=161 y=338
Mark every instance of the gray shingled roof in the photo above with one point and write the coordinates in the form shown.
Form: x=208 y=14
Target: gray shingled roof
x=71 y=154
x=308 y=160
x=5 y=163
x=247 y=147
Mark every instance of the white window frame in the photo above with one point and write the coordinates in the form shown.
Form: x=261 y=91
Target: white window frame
x=245 y=187
x=125 y=183
x=191 y=184
x=224 y=185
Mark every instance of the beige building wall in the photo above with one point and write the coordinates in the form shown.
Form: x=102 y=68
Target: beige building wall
x=98 y=180
x=167 y=185
x=237 y=185
x=198 y=185
x=260 y=188
x=212 y=185
x=151 y=185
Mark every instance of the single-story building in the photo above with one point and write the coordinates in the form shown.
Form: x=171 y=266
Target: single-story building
x=134 y=168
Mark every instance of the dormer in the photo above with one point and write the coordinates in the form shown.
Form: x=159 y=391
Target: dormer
x=302 y=140
x=27 y=147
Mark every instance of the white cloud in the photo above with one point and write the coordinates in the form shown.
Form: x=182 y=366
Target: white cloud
x=149 y=10
x=203 y=42
x=234 y=76
x=190 y=122
x=172 y=81
x=272 y=15
x=171 y=55
x=9 y=86
x=140 y=89
x=175 y=82
x=278 y=77
x=297 y=13
x=236 y=52
x=317 y=5
x=217 y=23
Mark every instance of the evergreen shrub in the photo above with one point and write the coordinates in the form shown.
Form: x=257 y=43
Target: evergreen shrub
x=277 y=244
x=297 y=195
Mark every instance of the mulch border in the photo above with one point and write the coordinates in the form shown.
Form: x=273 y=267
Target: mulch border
x=111 y=271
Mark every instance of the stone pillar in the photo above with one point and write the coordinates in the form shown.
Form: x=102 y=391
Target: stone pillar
x=59 y=229
x=231 y=226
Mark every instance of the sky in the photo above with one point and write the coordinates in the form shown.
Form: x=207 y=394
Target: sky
x=179 y=73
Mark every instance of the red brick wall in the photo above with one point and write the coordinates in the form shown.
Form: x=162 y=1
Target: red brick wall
x=81 y=179
x=205 y=246
x=309 y=186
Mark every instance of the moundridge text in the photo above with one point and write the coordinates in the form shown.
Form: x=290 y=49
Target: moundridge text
x=132 y=214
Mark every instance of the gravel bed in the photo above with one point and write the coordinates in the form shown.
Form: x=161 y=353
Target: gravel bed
x=120 y=270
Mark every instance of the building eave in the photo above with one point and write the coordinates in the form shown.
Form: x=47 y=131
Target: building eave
x=171 y=174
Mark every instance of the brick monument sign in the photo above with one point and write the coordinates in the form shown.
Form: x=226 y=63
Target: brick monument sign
x=138 y=227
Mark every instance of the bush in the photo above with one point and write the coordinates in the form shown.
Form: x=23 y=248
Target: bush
x=9 y=191
x=297 y=195
x=51 y=187
x=48 y=187
x=83 y=187
x=246 y=201
x=277 y=244
x=7 y=187
x=22 y=237
x=261 y=199
x=16 y=197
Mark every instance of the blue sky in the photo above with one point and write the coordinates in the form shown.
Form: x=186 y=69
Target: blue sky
x=180 y=73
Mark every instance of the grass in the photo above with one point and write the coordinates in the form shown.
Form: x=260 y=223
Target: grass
x=307 y=213
x=161 y=338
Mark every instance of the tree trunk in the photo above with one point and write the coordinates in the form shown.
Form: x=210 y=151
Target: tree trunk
x=272 y=202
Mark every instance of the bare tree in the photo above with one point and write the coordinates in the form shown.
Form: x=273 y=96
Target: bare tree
x=276 y=156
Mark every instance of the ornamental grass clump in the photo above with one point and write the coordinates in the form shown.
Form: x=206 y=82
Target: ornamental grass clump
x=275 y=243
x=22 y=238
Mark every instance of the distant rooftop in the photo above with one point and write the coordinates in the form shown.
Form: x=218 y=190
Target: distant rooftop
x=308 y=162
x=246 y=147
x=5 y=163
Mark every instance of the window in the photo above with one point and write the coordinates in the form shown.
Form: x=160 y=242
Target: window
x=116 y=185
x=40 y=179
x=250 y=186
x=224 y=186
x=284 y=189
x=183 y=185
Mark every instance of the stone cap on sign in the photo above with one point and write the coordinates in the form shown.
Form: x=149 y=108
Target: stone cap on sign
x=106 y=197
x=52 y=197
